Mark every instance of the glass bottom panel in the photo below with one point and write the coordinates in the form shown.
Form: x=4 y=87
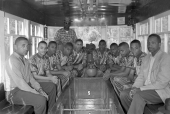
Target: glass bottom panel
x=88 y=96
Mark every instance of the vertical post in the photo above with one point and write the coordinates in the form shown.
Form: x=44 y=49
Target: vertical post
x=2 y=52
x=166 y=42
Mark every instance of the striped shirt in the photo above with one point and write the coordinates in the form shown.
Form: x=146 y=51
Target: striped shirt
x=52 y=61
x=101 y=58
x=114 y=60
x=127 y=61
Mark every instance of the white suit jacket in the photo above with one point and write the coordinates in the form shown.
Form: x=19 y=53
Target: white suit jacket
x=160 y=75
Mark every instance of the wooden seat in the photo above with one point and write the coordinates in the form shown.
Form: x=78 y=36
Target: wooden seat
x=152 y=109
x=7 y=108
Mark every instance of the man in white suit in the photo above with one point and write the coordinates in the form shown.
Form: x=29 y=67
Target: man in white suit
x=152 y=84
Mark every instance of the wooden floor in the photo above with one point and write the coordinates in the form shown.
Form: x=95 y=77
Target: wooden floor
x=88 y=96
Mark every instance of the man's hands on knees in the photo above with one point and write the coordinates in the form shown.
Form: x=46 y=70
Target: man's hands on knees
x=34 y=91
x=106 y=75
x=54 y=79
x=133 y=91
x=66 y=73
x=41 y=92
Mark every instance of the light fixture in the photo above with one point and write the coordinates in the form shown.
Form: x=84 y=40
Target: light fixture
x=76 y=20
x=103 y=6
x=102 y=9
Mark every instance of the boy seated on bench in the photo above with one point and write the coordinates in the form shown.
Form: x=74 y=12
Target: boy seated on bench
x=40 y=67
x=100 y=56
x=152 y=83
x=51 y=55
x=65 y=58
x=120 y=77
x=21 y=87
x=79 y=57
x=135 y=46
x=113 y=58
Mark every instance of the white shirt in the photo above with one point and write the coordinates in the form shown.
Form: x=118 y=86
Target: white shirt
x=148 y=80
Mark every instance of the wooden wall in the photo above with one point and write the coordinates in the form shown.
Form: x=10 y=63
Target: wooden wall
x=22 y=9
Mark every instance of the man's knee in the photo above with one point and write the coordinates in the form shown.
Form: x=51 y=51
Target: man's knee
x=52 y=87
x=137 y=96
x=124 y=94
x=40 y=102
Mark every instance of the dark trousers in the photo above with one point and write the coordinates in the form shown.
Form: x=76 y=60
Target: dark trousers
x=140 y=99
x=51 y=90
x=39 y=102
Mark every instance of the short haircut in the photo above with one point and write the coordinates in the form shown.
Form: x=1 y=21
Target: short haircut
x=124 y=44
x=52 y=42
x=20 y=39
x=79 y=40
x=157 y=36
x=102 y=41
x=113 y=44
x=69 y=44
x=42 y=42
x=136 y=41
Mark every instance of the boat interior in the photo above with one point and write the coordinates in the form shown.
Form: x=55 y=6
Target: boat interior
x=114 y=21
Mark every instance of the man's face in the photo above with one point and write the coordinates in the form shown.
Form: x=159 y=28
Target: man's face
x=78 y=45
x=42 y=49
x=67 y=24
x=68 y=50
x=135 y=48
x=123 y=50
x=52 y=48
x=153 y=44
x=102 y=45
x=21 y=47
x=114 y=50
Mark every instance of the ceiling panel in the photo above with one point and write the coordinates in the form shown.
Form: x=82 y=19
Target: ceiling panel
x=53 y=11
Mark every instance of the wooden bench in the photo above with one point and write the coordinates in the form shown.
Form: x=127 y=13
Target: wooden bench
x=7 y=108
x=152 y=109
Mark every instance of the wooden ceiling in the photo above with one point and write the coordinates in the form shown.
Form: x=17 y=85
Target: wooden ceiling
x=52 y=12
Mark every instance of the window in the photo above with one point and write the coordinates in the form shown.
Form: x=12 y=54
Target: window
x=36 y=36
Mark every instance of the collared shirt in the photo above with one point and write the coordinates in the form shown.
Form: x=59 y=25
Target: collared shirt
x=138 y=62
x=65 y=36
x=63 y=60
x=114 y=60
x=102 y=58
x=52 y=61
x=127 y=61
x=39 y=64
x=79 y=57
x=18 y=69
x=148 y=80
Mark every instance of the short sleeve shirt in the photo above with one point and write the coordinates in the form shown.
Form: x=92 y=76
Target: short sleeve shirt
x=102 y=58
x=39 y=64
x=138 y=62
x=114 y=60
x=65 y=36
x=79 y=57
x=52 y=61
x=63 y=60
x=127 y=61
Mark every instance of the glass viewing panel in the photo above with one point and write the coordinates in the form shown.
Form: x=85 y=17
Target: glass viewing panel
x=88 y=96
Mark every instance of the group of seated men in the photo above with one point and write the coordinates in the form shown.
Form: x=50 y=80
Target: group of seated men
x=138 y=78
